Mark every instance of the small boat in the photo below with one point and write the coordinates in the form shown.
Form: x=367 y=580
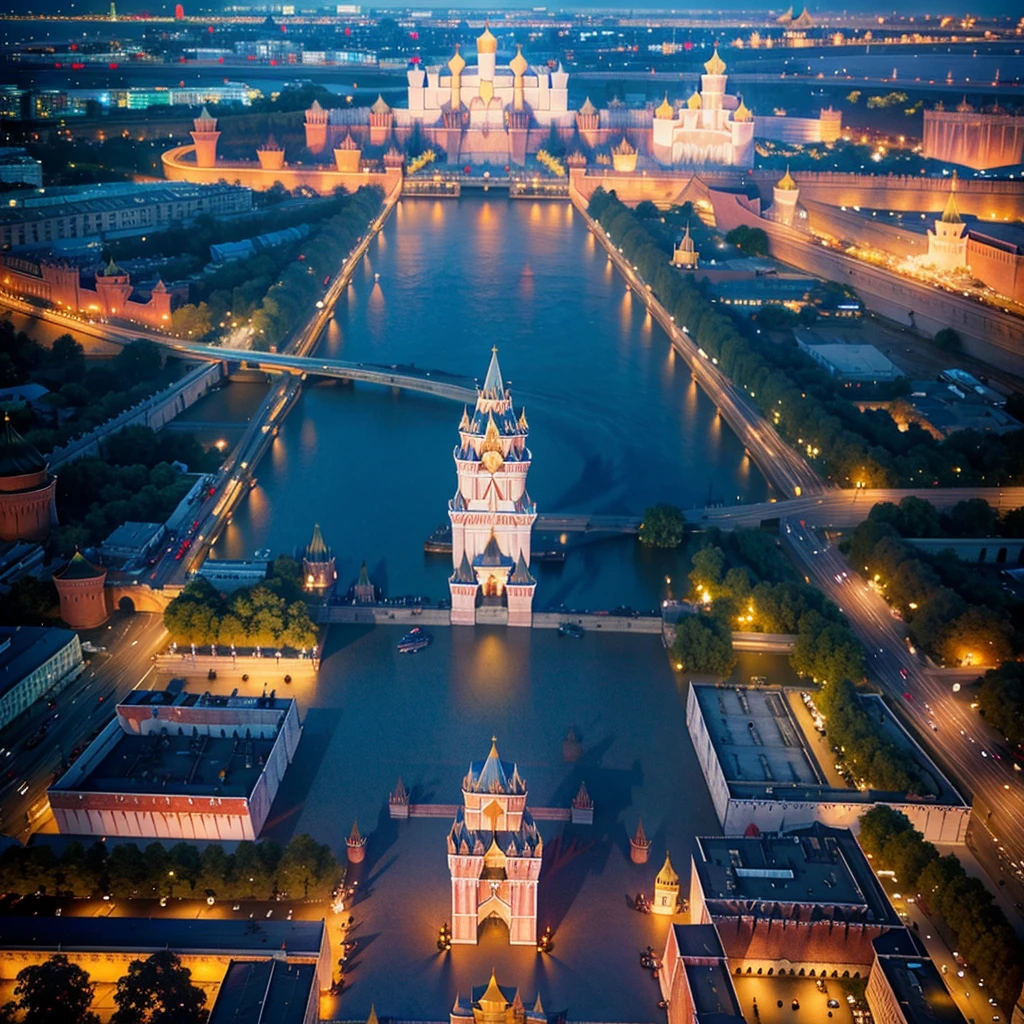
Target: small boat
x=415 y=640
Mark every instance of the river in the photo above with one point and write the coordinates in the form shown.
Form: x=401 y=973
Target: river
x=616 y=421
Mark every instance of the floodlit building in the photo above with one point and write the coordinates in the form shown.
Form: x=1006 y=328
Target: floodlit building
x=180 y=766
x=498 y=1004
x=18 y=168
x=80 y=587
x=318 y=566
x=230 y=574
x=972 y=138
x=35 y=661
x=492 y=513
x=494 y=854
x=947 y=241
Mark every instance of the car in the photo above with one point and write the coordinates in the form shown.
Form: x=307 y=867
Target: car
x=904 y=673
x=908 y=696
x=833 y=1004
x=932 y=726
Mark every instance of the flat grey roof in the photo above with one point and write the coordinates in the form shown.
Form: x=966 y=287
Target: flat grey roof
x=755 y=736
x=258 y=991
x=182 y=935
x=816 y=864
x=190 y=699
x=28 y=648
x=698 y=940
x=133 y=535
x=714 y=997
x=179 y=765
x=919 y=990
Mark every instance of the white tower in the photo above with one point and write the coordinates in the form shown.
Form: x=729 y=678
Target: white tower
x=947 y=241
x=492 y=513
x=785 y=194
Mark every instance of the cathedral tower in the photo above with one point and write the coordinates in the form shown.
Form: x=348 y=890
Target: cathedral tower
x=492 y=513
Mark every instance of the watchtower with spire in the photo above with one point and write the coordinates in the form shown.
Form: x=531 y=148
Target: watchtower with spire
x=113 y=288
x=382 y=119
x=494 y=854
x=785 y=195
x=685 y=252
x=316 y=128
x=494 y=1003
x=639 y=845
x=355 y=844
x=492 y=514
x=947 y=241
x=204 y=137
x=666 y=889
x=318 y=570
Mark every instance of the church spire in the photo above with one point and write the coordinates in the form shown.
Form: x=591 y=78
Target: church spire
x=493 y=382
x=951 y=215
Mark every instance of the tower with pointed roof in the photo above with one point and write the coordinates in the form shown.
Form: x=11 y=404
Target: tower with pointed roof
x=685 y=252
x=204 y=138
x=83 y=603
x=492 y=514
x=355 y=844
x=494 y=854
x=947 y=240
x=27 y=506
x=316 y=128
x=364 y=591
x=270 y=154
x=785 y=196
x=639 y=845
x=113 y=289
x=382 y=119
x=318 y=569
x=495 y=1003
x=666 y=889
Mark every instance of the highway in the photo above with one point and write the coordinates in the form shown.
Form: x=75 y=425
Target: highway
x=955 y=735
x=81 y=710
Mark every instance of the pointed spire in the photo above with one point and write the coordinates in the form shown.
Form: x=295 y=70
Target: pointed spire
x=518 y=64
x=464 y=422
x=400 y=794
x=695 y=102
x=951 y=215
x=493 y=993
x=588 y=107
x=667 y=876
x=355 y=837
x=112 y=269
x=464 y=573
x=364 y=576
x=372 y=1019
x=742 y=113
x=640 y=839
x=317 y=551
x=715 y=66
x=787 y=183
x=665 y=112
x=493 y=384
x=538 y=1006
x=457 y=64
x=522 y=576
x=486 y=43
x=380 y=106
x=523 y=424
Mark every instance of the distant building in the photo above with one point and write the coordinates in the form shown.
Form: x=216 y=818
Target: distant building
x=35 y=661
x=132 y=541
x=364 y=590
x=180 y=766
x=28 y=508
x=80 y=586
x=826 y=127
x=112 y=208
x=229 y=574
x=267 y=991
x=748 y=296
x=973 y=139
x=861 y=363
x=18 y=168
x=20 y=395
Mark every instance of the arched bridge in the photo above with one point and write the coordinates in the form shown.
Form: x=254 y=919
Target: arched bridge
x=408 y=378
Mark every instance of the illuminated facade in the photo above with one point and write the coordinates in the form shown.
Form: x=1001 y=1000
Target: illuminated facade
x=973 y=139
x=494 y=854
x=947 y=241
x=499 y=1004
x=80 y=587
x=712 y=128
x=27 y=506
x=492 y=513
x=318 y=569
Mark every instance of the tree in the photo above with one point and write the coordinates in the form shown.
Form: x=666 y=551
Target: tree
x=191 y=321
x=308 y=869
x=979 y=636
x=702 y=646
x=1001 y=700
x=972 y=518
x=752 y=241
x=879 y=825
x=947 y=340
x=706 y=574
x=664 y=526
x=159 y=990
x=54 y=992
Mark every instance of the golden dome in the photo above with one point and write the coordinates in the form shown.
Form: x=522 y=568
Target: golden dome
x=786 y=182
x=741 y=113
x=666 y=112
x=518 y=64
x=458 y=63
x=715 y=66
x=694 y=102
x=486 y=43
x=667 y=876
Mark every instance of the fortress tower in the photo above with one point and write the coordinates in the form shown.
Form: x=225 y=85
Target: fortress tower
x=666 y=889
x=205 y=138
x=494 y=854
x=382 y=119
x=785 y=194
x=79 y=585
x=27 y=507
x=947 y=241
x=316 y=128
x=114 y=288
x=492 y=513
x=270 y=155
x=684 y=254
x=318 y=568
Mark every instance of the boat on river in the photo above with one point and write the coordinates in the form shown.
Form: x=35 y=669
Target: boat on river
x=415 y=640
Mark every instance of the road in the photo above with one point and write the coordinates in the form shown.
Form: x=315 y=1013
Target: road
x=959 y=740
x=82 y=709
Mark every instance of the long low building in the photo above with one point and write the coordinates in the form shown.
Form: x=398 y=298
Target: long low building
x=106 y=946
x=180 y=766
x=34 y=661
x=762 y=774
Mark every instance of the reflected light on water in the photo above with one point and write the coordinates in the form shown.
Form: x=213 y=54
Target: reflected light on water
x=437 y=214
x=376 y=297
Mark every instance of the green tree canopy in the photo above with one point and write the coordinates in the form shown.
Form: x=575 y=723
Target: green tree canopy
x=54 y=992
x=702 y=646
x=159 y=990
x=664 y=526
x=1001 y=700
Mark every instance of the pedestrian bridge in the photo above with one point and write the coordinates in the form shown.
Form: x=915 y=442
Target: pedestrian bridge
x=405 y=377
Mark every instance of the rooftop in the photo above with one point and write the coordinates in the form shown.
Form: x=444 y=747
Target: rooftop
x=698 y=940
x=138 y=934
x=814 y=865
x=264 y=992
x=24 y=648
x=918 y=986
x=714 y=997
x=133 y=535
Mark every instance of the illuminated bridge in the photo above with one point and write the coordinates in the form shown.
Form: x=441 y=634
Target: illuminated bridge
x=405 y=377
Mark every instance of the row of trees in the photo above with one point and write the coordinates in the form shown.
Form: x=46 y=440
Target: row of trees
x=953 y=612
x=276 y=289
x=269 y=614
x=807 y=406
x=304 y=869
x=157 y=990
x=1001 y=700
x=982 y=933
x=975 y=517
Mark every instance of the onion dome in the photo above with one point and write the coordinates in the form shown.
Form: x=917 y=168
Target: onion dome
x=742 y=113
x=79 y=568
x=715 y=66
x=519 y=64
x=18 y=457
x=486 y=43
x=588 y=107
x=666 y=112
x=380 y=106
x=951 y=215
x=112 y=269
x=457 y=64
x=786 y=182
x=695 y=102
x=667 y=875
